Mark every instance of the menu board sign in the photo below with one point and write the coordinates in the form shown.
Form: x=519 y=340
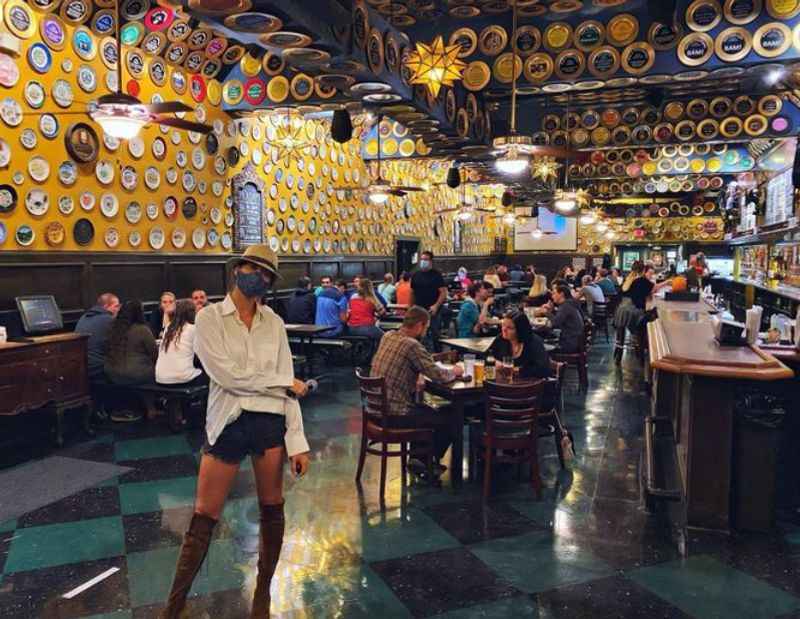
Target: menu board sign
x=780 y=202
x=248 y=209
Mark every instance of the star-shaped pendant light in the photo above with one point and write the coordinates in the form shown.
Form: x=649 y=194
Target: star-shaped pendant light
x=435 y=65
x=290 y=136
x=545 y=169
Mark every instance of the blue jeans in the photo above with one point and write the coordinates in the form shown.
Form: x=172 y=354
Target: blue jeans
x=431 y=340
x=332 y=332
x=372 y=332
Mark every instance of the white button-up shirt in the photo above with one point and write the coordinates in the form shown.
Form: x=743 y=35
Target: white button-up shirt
x=249 y=370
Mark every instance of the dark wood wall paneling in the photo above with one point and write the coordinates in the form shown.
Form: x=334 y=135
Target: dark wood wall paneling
x=549 y=263
x=76 y=279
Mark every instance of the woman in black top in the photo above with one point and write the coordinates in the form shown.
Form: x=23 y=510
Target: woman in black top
x=519 y=342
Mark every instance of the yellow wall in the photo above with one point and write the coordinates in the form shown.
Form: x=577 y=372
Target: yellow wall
x=478 y=238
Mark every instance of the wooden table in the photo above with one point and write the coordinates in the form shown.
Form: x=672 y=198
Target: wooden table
x=49 y=374
x=474 y=345
x=693 y=404
x=460 y=393
x=306 y=333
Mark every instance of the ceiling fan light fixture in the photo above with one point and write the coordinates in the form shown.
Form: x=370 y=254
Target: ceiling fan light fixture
x=465 y=215
x=537 y=233
x=610 y=234
x=378 y=197
x=509 y=219
x=118 y=126
x=588 y=218
x=512 y=162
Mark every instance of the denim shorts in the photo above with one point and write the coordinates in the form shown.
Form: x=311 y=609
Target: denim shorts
x=250 y=435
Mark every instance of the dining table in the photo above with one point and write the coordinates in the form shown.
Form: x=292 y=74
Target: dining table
x=474 y=345
x=305 y=334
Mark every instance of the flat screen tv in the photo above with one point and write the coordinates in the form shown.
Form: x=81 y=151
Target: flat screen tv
x=558 y=233
x=39 y=314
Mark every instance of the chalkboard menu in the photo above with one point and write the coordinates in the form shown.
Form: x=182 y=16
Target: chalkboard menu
x=780 y=202
x=248 y=209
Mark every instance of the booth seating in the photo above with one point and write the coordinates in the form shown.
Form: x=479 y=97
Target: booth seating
x=178 y=399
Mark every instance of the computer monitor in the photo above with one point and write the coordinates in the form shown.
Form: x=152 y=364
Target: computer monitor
x=39 y=314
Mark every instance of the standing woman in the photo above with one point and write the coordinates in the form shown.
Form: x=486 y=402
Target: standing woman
x=252 y=411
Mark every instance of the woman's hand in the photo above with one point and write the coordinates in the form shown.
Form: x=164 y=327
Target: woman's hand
x=299 y=388
x=299 y=464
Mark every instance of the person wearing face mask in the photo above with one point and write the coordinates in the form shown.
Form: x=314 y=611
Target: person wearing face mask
x=252 y=411
x=400 y=360
x=429 y=292
x=463 y=278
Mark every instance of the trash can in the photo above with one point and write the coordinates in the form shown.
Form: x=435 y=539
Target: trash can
x=757 y=438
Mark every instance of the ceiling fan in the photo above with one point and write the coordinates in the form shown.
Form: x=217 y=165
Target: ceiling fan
x=380 y=189
x=465 y=209
x=122 y=116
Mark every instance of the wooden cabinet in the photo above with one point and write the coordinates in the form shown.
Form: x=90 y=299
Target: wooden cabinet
x=49 y=374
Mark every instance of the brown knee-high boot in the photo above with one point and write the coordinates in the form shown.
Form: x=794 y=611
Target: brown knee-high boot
x=272 y=526
x=193 y=552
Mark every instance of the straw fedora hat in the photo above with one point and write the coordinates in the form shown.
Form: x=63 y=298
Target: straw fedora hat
x=259 y=255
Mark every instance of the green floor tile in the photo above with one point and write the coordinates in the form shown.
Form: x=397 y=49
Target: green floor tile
x=704 y=587
x=158 y=447
x=510 y=607
x=151 y=496
x=71 y=542
x=557 y=561
x=150 y=573
x=399 y=535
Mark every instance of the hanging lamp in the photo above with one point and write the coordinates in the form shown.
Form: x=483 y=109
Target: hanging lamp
x=515 y=148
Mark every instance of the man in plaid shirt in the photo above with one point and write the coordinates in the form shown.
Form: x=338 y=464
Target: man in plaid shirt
x=400 y=360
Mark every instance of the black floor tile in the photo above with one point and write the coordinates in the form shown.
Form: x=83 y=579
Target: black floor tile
x=39 y=593
x=97 y=502
x=470 y=522
x=436 y=582
x=151 y=469
x=607 y=598
x=152 y=530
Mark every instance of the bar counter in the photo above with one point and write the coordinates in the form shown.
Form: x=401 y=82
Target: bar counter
x=689 y=435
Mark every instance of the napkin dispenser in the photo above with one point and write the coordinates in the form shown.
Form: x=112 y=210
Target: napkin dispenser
x=728 y=332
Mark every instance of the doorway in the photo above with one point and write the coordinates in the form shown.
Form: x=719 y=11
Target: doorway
x=406 y=254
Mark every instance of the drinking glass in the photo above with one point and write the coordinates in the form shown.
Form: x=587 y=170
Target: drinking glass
x=479 y=371
x=469 y=364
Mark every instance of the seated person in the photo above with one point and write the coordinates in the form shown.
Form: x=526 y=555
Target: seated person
x=502 y=273
x=591 y=292
x=462 y=278
x=332 y=309
x=132 y=354
x=96 y=323
x=357 y=281
x=517 y=275
x=325 y=282
x=176 y=362
x=492 y=277
x=159 y=317
x=400 y=360
x=302 y=308
x=403 y=293
x=519 y=342
x=568 y=318
x=200 y=299
x=606 y=284
x=363 y=310
x=475 y=310
x=387 y=288
x=538 y=294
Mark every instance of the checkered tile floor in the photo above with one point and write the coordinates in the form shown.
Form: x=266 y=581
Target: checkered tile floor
x=585 y=550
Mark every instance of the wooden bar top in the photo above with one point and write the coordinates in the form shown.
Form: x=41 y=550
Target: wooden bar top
x=43 y=339
x=682 y=342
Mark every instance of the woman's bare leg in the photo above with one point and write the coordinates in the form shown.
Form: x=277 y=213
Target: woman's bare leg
x=269 y=482
x=213 y=484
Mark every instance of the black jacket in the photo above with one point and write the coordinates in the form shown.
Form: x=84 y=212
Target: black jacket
x=569 y=319
x=96 y=323
x=302 y=307
x=534 y=362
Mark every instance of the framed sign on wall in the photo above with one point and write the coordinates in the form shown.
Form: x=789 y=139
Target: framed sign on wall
x=248 y=209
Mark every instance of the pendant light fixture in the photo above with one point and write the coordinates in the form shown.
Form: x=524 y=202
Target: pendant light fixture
x=566 y=200
x=515 y=148
x=341 y=126
x=453 y=177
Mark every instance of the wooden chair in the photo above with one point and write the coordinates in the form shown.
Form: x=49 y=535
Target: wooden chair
x=579 y=360
x=549 y=421
x=512 y=426
x=600 y=318
x=376 y=429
